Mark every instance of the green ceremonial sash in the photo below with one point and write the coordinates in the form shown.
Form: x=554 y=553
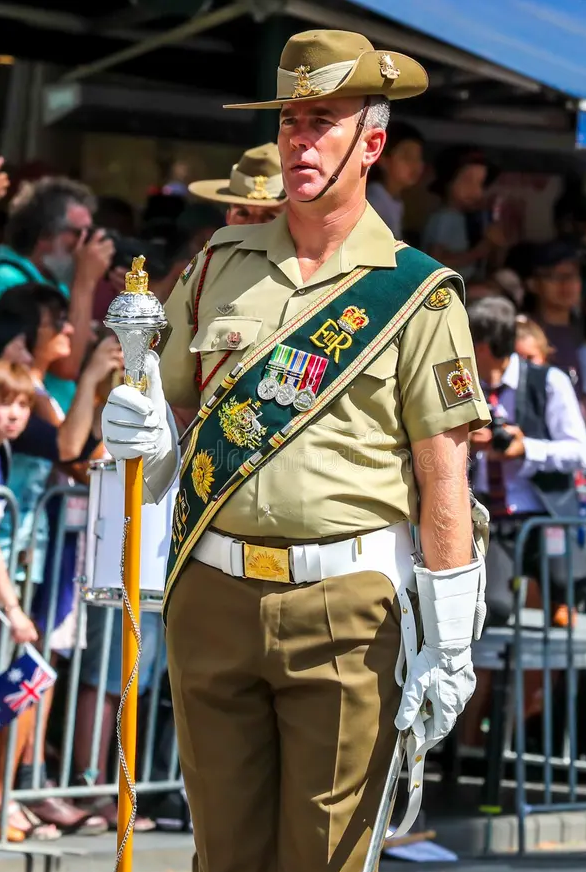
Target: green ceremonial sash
x=237 y=432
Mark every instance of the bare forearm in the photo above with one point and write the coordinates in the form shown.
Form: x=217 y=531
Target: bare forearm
x=77 y=426
x=8 y=597
x=80 y=316
x=445 y=522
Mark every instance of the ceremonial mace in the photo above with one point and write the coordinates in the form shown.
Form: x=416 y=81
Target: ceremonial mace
x=136 y=317
x=385 y=809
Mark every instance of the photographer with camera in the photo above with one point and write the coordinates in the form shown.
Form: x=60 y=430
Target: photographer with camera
x=523 y=463
x=51 y=239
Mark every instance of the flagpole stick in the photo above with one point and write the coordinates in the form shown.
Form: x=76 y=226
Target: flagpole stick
x=136 y=316
x=130 y=657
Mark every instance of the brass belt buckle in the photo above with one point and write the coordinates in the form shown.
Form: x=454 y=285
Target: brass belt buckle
x=266 y=564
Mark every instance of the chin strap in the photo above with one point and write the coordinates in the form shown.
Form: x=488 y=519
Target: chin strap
x=335 y=176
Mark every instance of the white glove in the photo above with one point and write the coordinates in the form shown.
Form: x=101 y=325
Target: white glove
x=441 y=679
x=142 y=425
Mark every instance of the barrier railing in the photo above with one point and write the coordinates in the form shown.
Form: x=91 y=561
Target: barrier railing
x=73 y=524
x=560 y=650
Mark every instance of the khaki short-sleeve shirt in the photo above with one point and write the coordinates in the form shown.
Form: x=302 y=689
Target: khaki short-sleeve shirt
x=351 y=470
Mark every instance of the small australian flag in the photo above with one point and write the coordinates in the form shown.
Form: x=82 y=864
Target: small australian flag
x=23 y=683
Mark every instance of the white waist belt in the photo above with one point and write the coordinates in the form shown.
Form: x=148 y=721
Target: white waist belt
x=389 y=551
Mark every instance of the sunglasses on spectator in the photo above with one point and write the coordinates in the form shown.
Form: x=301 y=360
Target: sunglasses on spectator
x=57 y=321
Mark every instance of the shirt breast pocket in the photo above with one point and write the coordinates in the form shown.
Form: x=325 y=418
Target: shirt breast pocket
x=365 y=406
x=226 y=339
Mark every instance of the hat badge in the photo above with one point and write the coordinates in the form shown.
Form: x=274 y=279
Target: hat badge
x=303 y=86
x=260 y=189
x=388 y=70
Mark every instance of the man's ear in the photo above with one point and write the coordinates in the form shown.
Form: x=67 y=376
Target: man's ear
x=374 y=142
x=531 y=285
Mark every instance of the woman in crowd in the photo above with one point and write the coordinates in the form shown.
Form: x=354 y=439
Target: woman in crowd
x=60 y=439
x=461 y=234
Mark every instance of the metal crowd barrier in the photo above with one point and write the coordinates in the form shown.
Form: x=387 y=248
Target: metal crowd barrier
x=552 y=649
x=64 y=786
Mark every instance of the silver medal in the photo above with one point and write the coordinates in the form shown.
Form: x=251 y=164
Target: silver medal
x=305 y=400
x=285 y=395
x=267 y=388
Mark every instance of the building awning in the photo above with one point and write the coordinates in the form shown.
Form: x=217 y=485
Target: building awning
x=542 y=39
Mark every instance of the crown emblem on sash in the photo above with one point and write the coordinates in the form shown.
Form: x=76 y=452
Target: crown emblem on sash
x=260 y=189
x=388 y=70
x=352 y=319
x=303 y=86
x=460 y=381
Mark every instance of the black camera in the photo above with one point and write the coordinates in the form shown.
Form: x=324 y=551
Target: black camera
x=501 y=438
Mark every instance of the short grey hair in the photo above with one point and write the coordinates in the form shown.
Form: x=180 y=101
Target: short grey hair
x=379 y=113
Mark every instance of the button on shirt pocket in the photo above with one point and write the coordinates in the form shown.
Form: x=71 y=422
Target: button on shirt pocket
x=224 y=338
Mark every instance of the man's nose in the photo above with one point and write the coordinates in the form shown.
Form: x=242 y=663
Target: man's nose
x=299 y=137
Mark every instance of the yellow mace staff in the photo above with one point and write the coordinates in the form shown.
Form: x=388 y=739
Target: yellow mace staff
x=136 y=316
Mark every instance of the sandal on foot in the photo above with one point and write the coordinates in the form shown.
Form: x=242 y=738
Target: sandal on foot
x=34 y=828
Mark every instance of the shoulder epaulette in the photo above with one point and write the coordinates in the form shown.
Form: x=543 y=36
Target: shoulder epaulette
x=235 y=233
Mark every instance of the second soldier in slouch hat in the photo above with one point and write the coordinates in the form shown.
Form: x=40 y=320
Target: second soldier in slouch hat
x=332 y=375
x=254 y=192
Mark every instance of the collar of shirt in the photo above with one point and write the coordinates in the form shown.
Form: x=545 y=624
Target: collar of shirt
x=369 y=243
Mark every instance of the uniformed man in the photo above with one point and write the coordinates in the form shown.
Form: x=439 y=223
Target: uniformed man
x=254 y=192
x=335 y=379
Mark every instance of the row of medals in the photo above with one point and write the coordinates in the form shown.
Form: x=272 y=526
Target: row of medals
x=286 y=394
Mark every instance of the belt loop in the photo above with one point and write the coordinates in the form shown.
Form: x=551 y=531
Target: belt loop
x=226 y=555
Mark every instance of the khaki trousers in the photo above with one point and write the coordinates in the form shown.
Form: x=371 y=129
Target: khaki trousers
x=284 y=699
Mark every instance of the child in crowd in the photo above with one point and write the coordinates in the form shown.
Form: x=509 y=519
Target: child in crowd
x=16 y=398
x=531 y=342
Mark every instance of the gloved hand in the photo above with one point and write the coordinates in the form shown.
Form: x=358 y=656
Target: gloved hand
x=441 y=679
x=142 y=425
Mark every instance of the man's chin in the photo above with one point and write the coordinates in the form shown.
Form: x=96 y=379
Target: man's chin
x=303 y=193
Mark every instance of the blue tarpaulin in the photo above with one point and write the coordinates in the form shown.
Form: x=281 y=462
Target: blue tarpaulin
x=544 y=40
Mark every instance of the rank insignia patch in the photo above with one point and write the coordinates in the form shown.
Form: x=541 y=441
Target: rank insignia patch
x=439 y=299
x=188 y=270
x=456 y=382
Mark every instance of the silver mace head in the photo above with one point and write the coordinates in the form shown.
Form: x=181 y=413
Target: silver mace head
x=136 y=317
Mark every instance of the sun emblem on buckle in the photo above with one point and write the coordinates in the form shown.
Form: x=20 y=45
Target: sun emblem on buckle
x=263 y=563
x=303 y=87
x=260 y=189
x=388 y=70
x=202 y=475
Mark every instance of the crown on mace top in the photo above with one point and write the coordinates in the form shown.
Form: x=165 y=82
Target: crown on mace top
x=137 y=280
x=352 y=319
